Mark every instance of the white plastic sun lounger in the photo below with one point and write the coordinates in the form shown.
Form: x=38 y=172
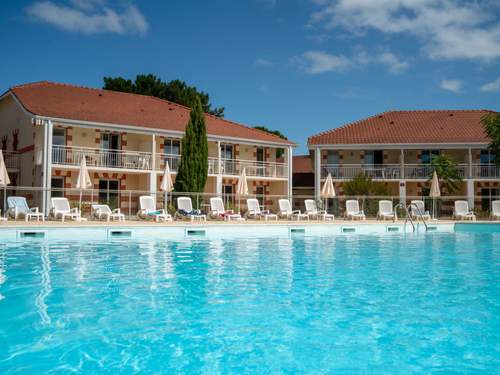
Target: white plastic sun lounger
x=385 y=210
x=18 y=208
x=148 y=209
x=254 y=211
x=462 y=211
x=352 y=210
x=217 y=211
x=495 y=210
x=185 y=210
x=102 y=211
x=417 y=208
x=61 y=209
x=286 y=211
x=314 y=213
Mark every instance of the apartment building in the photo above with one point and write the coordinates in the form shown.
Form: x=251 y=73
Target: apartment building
x=396 y=148
x=47 y=128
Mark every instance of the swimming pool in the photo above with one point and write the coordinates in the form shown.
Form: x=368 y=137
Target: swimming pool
x=294 y=302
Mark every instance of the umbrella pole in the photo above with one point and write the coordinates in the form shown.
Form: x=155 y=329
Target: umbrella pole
x=5 y=201
x=80 y=204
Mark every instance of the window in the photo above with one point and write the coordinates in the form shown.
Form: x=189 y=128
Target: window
x=427 y=155
x=332 y=157
x=226 y=151
x=110 y=141
x=227 y=195
x=57 y=187
x=108 y=193
x=260 y=193
x=172 y=147
x=58 y=137
x=487 y=157
x=487 y=196
x=375 y=157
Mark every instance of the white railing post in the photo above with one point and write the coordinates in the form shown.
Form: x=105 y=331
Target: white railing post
x=47 y=166
x=290 y=172
x=317 y=173
x=152 y=171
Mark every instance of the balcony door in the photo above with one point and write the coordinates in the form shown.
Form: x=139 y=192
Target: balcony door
x=172 y=151
x=333 y=161
x=110 y=145
x=373 y=158
x=58 y=142
x=109 y=193
x=427 y=155
x=260 y=155
x=227 y=196
x=226 y=152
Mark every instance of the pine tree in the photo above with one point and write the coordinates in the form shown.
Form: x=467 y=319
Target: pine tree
x=193 y=167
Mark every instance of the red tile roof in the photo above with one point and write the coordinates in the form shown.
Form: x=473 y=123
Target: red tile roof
x=409 y=127
x=302 y=164
x=70 y=102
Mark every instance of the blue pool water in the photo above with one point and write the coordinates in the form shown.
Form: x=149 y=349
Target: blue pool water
x=389 y=303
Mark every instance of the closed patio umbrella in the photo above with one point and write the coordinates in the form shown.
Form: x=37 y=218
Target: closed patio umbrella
x=242 y=187
x=4 y=180
x=328 y=190
x=83 y=181
x=167 y=185
x=435 y=192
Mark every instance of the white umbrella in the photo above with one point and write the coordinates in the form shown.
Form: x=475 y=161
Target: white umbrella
x=435 y=192
x=83 y=181
x=4 y=180
x=242 y=187
x=328 y=190
x=167 y=185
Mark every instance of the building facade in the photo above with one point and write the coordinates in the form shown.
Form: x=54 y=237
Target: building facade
x=397 y=147
x=47 y=128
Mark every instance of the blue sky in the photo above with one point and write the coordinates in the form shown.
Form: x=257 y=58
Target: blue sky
x=300 y=66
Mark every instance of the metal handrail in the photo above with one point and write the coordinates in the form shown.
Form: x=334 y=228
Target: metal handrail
x=408 y=215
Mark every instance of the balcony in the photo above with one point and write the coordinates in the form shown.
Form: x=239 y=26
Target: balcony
x=233 y=167
x=101 y=158
x=410 y=171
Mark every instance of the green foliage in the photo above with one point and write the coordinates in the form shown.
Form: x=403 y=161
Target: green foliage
x=176 y=91
x=447 y=172
x=193 y=167
x=364 y=185
x=273 y=132
x=491 y=123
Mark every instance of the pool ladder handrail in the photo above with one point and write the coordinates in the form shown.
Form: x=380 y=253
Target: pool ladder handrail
x=408 y=215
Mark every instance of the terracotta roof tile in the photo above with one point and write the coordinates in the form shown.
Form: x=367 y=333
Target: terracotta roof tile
x=407 y=127
x=302 y=164
x=116 y=108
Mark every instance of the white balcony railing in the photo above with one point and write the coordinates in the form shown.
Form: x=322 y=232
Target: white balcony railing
x=101 y=158
x=11 y=159
x=173 y=162
x=410 y=171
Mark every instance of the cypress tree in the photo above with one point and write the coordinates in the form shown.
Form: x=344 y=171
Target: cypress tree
x=193 y=167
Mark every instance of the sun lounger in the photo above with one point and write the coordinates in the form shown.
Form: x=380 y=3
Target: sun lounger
x=185 y=210
x=62 y=210
x=286 y=211
x=462 y=211
x=385 y=210
x=18 y=208
x=254 y=211
x=495 y=210
x=102 y=211
x=417 y=209
x=352 y=210
x=313 y=212
x=217 y=211
x=148 y=210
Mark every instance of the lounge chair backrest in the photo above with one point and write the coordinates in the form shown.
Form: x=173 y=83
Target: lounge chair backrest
x=253 y=205
x=461 y=207
x=147 y=203
x=495 y=207
x=285 y=206
x=103 y=208
x=216 y=204
x=184 y=203
x=19 y=203
x=416 y=206
x=352 y=206
x=311 y=205
x=385 y=207
x=61 y=204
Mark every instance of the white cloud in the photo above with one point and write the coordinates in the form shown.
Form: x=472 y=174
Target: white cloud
x=453 y=85
x=448 y=29
x=491 y=86
x=263 y=62
x=316 y=62
x=90 y=17
x=394 y=64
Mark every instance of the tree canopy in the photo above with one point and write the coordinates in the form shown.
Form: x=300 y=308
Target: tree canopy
x=193 y=167
x=447 y=172
x=274 y=132
x=176 y=91
x=491 y=123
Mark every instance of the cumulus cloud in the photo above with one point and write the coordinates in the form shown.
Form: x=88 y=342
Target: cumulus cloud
x=90 y=17
x=448 y=29
x=394 y=63
x=491 y=86
x=453 y=85
x=263 y=62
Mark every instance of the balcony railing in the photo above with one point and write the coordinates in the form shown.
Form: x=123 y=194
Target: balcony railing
x=173 y=162
x=410 y=171
x=101 y=158
x=11 y=159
